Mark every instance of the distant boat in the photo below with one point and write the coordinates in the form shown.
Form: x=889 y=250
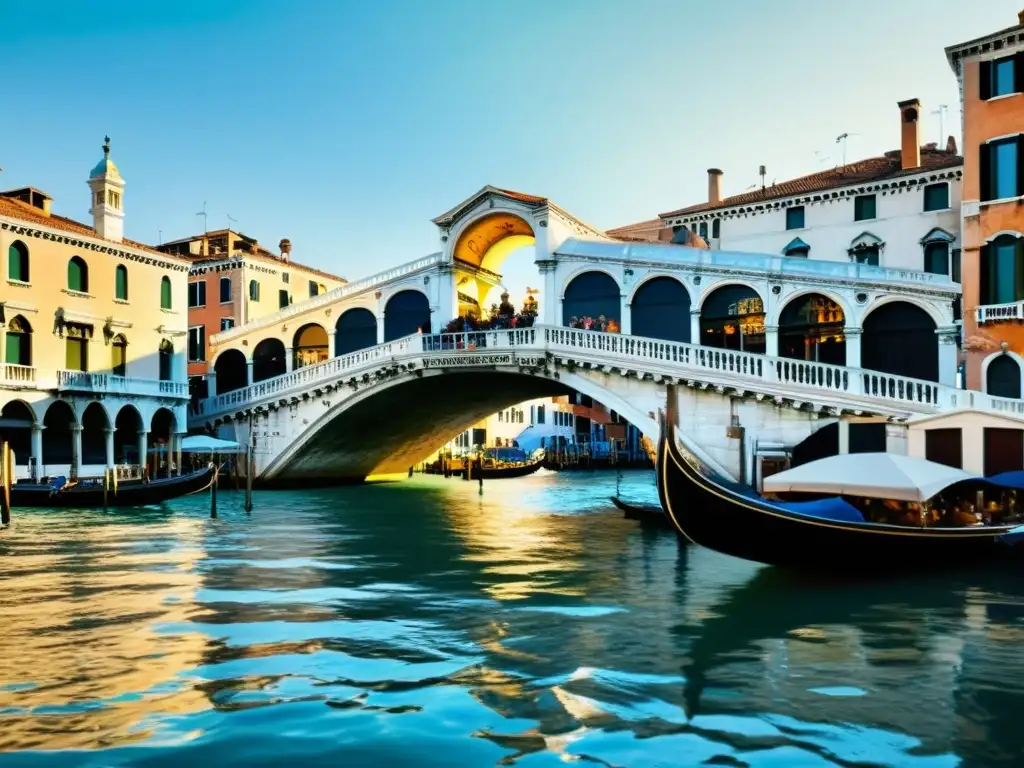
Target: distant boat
x=89 y=494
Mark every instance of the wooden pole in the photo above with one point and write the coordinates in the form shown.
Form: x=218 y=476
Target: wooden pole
x=480 y=472
x=5 y=494
x=106 y=485
x=249 y=468
x=213 y=486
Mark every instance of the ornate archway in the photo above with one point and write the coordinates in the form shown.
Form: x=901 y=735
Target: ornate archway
x=268 y=360
x=591 y=294
x=732 y=317
x=811 y=328
x=230 y=368
x=406 y=313
x=310 y=345
x=899 y=338
x=661 y=310
x=356 y=329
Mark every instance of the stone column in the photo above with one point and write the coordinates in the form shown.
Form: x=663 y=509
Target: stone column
x=853 y=337
x=771 y=340
x=550 y=304
x=948 y=355
x=211 y=384
x=289 y=359
x=844 y=436
x=76 y=450
x=695 y=326
x=142 y=445
x=248 y=368
x=896 y=439
x=380 y=328
x=37 y=450
x=110 y=447
x=626 y=320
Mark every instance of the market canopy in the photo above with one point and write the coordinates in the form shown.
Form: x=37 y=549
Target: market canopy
x=872 y=475
x=207 y=444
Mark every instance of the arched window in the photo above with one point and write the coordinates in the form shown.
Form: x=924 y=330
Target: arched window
x=232 y=371
x=121 y=282
x=406 y=313
x=166 y=360
x=732 y=317
x=900 y=338
x=811 y=328
x=1002 y=270
x=254 y=290
x=78 y=275
x=17 y=262
x=310 y=345
x=591 y=294
x=119 y=355
x=866 y=248
x=661 y=310
x=268 y=360
x=166 y=297
x=18 y=347
x=1002 y=377
x=356 y=329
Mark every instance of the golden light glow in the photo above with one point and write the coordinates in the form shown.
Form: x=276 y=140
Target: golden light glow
x=488 y=241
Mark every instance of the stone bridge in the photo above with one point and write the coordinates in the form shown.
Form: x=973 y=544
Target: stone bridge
x=382 y=409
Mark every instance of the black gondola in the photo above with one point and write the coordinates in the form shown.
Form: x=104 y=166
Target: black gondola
x=720 y=514
x=645 y=514
x=502 y=471
x=88 y=495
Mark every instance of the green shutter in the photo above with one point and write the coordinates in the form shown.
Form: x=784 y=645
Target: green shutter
x=121 y=283
x=17 y=267
x=77 y=275
x=165 y=293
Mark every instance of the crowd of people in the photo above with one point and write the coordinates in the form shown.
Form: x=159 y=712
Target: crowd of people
x=600 y=323
x=500 y=317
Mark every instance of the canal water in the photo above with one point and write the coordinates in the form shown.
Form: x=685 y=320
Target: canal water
x=421 y=624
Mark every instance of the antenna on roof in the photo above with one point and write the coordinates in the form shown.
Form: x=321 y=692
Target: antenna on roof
x=203 y=214
x=230 y=219
x=761 y=172
x=841 y=139
x=941 y=112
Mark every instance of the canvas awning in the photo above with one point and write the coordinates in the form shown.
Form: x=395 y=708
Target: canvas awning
x=207 y=444
x=871 y=475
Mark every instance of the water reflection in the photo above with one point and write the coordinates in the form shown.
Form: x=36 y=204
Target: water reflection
x=421 y=623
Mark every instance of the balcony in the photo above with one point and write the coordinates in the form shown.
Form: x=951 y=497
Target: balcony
x=108 y=384
x=997 y=313
x=23 y=376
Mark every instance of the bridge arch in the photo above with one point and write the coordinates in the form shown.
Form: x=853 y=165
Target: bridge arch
x=732 y=317
x=232 y=371
x=899 y=338
x=487 y=239
x=407 y=312
x=310 y=345
x=812 y=326
x=268 y=359
x=356 y=329
x=591 y=292
x=659 y=308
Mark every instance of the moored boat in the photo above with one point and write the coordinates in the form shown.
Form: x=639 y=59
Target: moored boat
x=645 y=514
x=718 y=513
x=90 y=494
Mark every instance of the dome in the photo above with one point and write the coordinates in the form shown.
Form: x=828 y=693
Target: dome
x=105 y=167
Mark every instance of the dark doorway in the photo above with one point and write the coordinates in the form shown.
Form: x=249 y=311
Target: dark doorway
x=268 y=360
x=899 y=338
x=57 y=446
x=867 y=437
x=944 y=446
x=127 y=426
x=1004 y=450
x=732 y=317
x=1002 y=377
x=406 y=313
x=16 y=421
x=661 y=310
x=591 y=294
x=231 y=369
x=356 y=329
x=94 y=435
x=811 y=328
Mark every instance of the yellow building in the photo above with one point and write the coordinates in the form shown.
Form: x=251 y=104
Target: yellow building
x=93 y=329
x=234 y=280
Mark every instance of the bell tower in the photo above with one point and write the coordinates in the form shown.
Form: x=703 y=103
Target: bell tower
x=107 y=189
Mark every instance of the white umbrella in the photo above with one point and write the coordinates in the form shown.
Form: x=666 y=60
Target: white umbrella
x=207 y=444
x=872 y=475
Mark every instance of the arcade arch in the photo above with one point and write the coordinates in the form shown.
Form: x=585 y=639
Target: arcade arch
x=268 y=359
x=231 y=370
x=310 y=345
x=811 y=327
x=406 y=313
x=660 y=309
x=899 y=338
x=356 y=329
x=732 y=317
x=592 y=294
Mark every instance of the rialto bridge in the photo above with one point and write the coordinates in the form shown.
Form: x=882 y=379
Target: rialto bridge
x=358 y=381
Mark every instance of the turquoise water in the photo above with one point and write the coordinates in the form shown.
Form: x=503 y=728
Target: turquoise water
x=422 y=624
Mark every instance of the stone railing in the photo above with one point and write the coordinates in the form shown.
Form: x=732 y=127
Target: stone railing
x=773 y=376
x=994 y=313
x=18 y=375
x=108 y=384
x=341 y=292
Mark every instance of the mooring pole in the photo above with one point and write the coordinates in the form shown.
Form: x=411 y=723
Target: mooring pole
x=249 y=467
x=213 y=486
x=106 y=484
x=480 y=471
x=7 y=467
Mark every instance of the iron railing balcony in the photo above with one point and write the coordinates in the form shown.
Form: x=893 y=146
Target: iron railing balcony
x=109 y=384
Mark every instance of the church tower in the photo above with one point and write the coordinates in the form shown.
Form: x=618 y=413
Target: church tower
x=107 y=200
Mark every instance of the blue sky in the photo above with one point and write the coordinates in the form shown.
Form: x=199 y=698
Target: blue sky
x=346 y=126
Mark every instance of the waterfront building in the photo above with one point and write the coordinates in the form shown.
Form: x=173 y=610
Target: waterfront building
x=990 y=73
x=93 y=329
x=234 y=280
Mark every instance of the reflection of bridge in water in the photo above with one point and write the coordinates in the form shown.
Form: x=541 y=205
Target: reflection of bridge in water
x=777 y=346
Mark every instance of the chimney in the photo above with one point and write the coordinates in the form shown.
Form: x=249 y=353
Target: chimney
x=951 y=142
x=286 y=248
x=714 y=186
x=910 y=133
x=1020 y=18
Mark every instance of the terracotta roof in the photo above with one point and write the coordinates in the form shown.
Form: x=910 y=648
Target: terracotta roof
x=266 y=256
x=16 y=209
x=861 y=172
x=523 y=196
x=641 y=232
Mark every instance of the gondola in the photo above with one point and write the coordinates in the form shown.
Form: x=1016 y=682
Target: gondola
x=89 y=494
x=720 y=514
x=645 y=514
x=501 y=471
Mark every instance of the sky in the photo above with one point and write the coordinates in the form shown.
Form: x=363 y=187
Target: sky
x=347 y=126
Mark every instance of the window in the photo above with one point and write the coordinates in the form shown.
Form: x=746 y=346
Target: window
x=284 y=277
x=119 y=355
x=227 y=323
x=1002 y=271
x=254 y=290
x=121 y=282
x=166 y=355
x=955 y=266
x=197 y=294
x=314 y=288
x=197 y=344
x=225 y=290
x=501 y=416
x=17 y=262
x=795 y=217
x=716 y=228
x=944 y=446
x=283 y=299
x=863 y=207
x=540 y=414
x=78 y=275
x=165 y=292
x=18 y=349
x=704 y=230
x=868 y=255
x=76 y=347
x=936 y=258
x=936 y=197
x=797 y=248
x=1001 y=77
x=1000 y=169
